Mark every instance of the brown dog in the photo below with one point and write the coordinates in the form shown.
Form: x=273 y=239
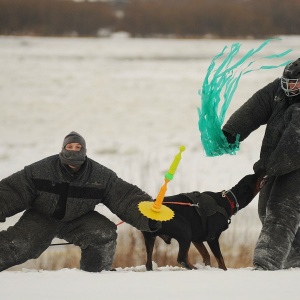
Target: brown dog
x=204 y=222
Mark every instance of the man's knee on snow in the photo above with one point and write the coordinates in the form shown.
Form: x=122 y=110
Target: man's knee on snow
x=103 y=236
x=99 y=236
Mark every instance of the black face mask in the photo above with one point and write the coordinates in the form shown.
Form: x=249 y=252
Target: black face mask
x=73 y=158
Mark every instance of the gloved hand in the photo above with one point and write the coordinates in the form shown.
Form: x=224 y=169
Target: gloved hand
x=154 y=225
x=229 y=137
x=259 y=168
x=2 y=219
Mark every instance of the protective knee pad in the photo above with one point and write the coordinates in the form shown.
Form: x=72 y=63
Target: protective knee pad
x=98 y=237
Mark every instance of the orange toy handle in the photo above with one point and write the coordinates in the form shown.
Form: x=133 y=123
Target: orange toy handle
x=160 y=197
x=156 y=210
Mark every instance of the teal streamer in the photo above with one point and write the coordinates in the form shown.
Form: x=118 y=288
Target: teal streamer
x=220 y=84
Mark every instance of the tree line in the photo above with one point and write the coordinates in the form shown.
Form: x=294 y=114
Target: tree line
x=148 y=18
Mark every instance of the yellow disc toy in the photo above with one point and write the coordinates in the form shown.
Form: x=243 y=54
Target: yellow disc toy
x=155 y=210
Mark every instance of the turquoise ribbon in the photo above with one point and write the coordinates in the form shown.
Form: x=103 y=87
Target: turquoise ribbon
x=219 y=85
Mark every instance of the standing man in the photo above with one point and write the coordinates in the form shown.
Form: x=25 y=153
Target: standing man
x=278 y=106
x=59 y=195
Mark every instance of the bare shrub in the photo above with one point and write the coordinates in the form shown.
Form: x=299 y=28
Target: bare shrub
x=237 y=245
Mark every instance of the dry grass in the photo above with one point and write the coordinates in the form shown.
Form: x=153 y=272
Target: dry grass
x=237 y=245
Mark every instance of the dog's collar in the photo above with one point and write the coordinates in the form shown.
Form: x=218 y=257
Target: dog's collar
x=232 y=204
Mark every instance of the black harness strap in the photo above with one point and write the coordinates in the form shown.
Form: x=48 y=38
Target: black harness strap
x=206 y=206
x=195 y=198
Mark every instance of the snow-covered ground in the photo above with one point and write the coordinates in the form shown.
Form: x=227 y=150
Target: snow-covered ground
x=165 y=283
x=135 y=101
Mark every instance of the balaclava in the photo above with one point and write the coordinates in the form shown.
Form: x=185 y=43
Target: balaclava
x=70 y=157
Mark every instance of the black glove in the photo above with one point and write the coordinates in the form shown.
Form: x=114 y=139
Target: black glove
x=2 y=219
x=154 y=225
x=259 y=168
x=229 y=137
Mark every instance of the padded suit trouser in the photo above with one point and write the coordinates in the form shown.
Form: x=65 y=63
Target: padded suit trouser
x=278 y=245
x=33 y=233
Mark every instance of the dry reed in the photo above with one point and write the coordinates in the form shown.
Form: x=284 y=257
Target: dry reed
x=237 y=245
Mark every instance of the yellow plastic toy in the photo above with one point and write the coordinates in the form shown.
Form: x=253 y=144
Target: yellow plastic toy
x=155 y=210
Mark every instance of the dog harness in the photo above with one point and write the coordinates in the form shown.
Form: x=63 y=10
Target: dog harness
x=206 y=206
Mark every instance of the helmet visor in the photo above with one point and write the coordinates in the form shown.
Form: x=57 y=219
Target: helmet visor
x=291 y=87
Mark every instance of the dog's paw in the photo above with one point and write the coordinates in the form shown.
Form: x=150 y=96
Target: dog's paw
x=187 y=266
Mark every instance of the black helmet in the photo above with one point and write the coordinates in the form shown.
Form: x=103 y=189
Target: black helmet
x=290 y=80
